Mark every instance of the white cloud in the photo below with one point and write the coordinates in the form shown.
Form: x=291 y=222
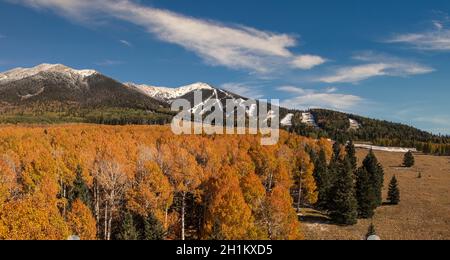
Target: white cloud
x=356 y=73
x=331 y=89
x=307 y=61
x=376 y=65
x=243 y=90
x=308 y=98
x=435 y=39
x=439 y=25
x=292 y=90
x=126 y=43
x=428 y=41
x=235 y=47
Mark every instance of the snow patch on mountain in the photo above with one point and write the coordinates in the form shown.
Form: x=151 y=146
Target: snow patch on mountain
x=22 y=73
x=167 y=94
x=252 y=111
x=287 y=120
x=354 y=125
x=308 y=119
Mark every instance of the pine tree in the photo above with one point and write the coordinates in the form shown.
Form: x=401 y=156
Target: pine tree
x=336 y=151
x=80 y=189
x=321 y=175
x=344 y=207
x=365 y=194
x=408 y=160
x=376 y=172
x=351 y=154
x=129 y=231
x=371 y=231
x=153 y=229
x=394 y=192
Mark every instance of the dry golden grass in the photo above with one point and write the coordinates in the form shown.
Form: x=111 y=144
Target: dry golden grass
x=423 y=213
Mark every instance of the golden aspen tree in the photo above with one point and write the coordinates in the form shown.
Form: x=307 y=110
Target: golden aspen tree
x=81 y=221
x=185 y=175
x=110 y=181
x=151 y=192
x=253 y=191
x=32 y=218
x=282 y=221
x=228 y=217
x=304 y=179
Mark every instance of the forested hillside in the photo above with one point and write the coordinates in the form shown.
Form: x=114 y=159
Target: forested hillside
x=142 y=182
x=336 y=125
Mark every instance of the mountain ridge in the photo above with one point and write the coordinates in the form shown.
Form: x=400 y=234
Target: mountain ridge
x=55 y=93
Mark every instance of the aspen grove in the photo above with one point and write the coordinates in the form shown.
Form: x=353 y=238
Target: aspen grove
x=143 y=182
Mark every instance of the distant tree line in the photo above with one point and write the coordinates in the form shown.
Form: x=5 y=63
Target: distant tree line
x=336 y=125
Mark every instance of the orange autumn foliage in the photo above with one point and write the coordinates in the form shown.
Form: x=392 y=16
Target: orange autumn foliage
x=205 y=182
x=32 y=219
x=82 y=222
x=229 y=216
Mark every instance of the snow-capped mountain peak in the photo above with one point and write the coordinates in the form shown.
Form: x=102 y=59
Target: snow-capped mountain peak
x=167 y=94
x=22 y=73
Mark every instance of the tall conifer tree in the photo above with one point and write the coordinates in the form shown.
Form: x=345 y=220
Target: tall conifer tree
x=394 y=192
x=365 y=194
x=374 y=168
x=343 y=202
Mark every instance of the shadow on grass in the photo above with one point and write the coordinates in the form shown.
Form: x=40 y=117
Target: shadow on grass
x=313 y=216
x=315 y=219
x=388 y=204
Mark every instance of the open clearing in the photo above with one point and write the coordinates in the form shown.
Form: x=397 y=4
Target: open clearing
x=423 y=213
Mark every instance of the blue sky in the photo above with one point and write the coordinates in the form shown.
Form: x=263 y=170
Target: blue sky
x=383 y=59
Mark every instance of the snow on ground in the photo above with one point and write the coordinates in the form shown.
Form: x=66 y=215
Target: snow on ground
x=385 y=149
x=165 y=94
x=308 y=118
x=287 y=120
x=354 y=124
x=22 y=73
x=252 y=111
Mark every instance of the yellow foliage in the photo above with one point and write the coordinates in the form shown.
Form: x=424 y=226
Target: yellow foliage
x=82 y=222
x=32 y=219
x=243 y=187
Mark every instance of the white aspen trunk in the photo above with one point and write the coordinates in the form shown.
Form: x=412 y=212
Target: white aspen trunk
x=166 y=216
x=299 y=199
x=110 y=223
x=105 y=232
x=183 y=206
x=111 y=212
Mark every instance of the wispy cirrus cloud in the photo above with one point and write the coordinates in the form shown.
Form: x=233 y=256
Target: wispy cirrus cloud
x=126 y=43
x=244 y=90
x=437 y=38
x=232 y=46
x=376 y=65
x=107 y=63
x=309 y=98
